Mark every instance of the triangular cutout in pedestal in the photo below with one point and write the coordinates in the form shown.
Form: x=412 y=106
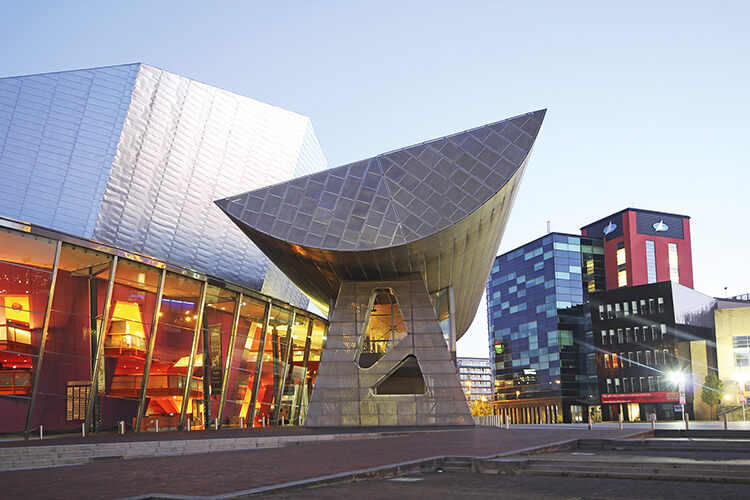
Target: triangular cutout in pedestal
x=406 y=378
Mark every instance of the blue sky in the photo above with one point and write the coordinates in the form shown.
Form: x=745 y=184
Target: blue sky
x=648 y=102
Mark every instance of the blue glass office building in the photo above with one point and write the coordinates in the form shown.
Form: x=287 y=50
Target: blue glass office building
x=540 y=336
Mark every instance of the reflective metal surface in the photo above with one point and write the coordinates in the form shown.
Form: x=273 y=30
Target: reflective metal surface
x=134 y=156
x=438 y=208
x=347 y=394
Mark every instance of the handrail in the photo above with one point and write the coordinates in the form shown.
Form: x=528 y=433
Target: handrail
x=730 y=410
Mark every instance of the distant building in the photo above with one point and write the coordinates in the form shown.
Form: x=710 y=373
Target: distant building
x=644 y=246
x=732 y=318
x=648 y=337
x=476 y=378
x=539 y=328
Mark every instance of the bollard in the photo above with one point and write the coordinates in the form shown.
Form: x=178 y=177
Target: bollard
x=507 y=422
x=216 y=424
x=41 y=432
x=619 y=418
x=189 y=427
x=687 y=421
x=157 y=426
x=242 y=423
x=726 y=423
x=121 y=425
x=264 y=421
x=653 y=425
x=83 y=430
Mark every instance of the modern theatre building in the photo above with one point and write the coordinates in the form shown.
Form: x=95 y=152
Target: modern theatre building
x=127 y=295
x=397 y=248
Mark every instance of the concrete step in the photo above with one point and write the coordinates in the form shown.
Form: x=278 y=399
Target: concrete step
x=457 y=464
x=671 y=476
x=641 y=468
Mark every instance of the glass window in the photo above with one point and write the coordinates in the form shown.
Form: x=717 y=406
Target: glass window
x=644 y=311
x=625 y=309
x=622 y=278
x=77 y=306
x=25 y=275
x=638 y=357
x=636 y=332
x=655 y=332
x=245 y=358
x=609 y=385
x=634 y=307
x=652 y=306
x=641 y=384
x=617 y=310
x=620 y=338
x=604 y=337
x=617 y=385
x=663 y=330
x=601 y=312
x=648 y=358
x=628 y=335
x=611 y=336
x=126 y=342
x=630 y=358
x=651 y=386
x=625 y=385
x=615 y=363
x=621 y=258
x=660 y=302
x=650 y=261
x=171 y=357
x=610 y=315
x=606 y=361
x=674 y=270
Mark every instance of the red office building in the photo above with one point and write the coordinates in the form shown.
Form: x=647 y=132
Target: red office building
x=643 y=246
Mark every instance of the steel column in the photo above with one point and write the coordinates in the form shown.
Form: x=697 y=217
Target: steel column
x=43 y=340
x=284 y=367
x=305 y=359
x=102 y=333
x=230 y=356
x=191 y=362
x=150 y=352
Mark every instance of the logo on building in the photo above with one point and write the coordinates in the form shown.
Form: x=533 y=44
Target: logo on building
x=660 y=226
x=609 y=228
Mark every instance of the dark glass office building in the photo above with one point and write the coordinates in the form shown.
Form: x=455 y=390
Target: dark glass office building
x=650 y=339
x=539 y=328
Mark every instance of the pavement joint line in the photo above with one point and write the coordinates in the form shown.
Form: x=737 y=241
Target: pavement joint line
x=389 y=470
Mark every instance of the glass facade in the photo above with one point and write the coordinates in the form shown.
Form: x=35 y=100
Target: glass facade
x=93 y=335
x=539 y=325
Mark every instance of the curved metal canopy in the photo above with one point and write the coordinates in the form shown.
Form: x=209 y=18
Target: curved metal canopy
x=438 y=208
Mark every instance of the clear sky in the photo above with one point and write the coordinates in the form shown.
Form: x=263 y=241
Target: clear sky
x=648 y=102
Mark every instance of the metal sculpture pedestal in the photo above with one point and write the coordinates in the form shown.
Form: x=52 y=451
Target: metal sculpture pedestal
x=345 y=393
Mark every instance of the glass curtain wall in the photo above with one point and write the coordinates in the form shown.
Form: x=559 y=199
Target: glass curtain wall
x=76 y=320
x=25 y=276
x=263 y=354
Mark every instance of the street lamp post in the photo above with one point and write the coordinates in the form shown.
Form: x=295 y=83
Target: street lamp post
x=741 y=380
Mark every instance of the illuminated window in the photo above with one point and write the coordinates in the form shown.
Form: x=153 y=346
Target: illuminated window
x=622 y=278
x=606 y=361
x=741 y=345
x=615 y=362
x=590 y=266
x=650 y=261
x=674 y=271
x=621 y=258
